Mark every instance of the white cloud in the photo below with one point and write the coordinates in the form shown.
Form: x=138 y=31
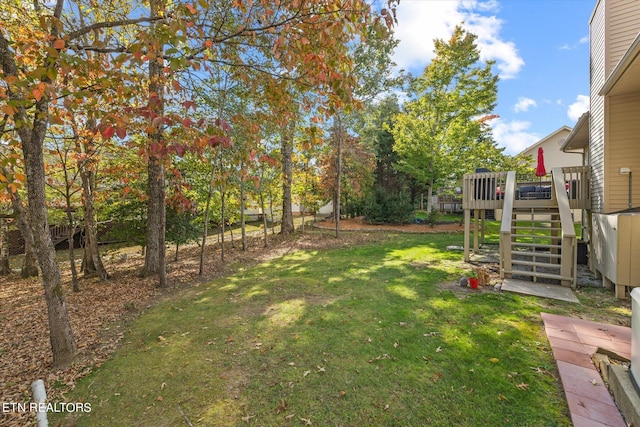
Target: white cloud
x=513 y=135
x=420 y=22
x=524 y=104
x=578 y=108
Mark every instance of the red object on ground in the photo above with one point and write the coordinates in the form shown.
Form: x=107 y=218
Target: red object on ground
x=473 y=282
x=540 y=170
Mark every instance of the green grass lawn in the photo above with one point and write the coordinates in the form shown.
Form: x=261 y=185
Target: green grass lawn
x=345 y=337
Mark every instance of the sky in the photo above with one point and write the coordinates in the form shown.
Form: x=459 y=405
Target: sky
x=541 y=49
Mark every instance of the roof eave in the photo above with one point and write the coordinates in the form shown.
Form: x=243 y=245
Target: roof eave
x=578 y=139
x=621 y=68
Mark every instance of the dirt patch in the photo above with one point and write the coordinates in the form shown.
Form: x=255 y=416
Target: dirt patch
x=359 y=224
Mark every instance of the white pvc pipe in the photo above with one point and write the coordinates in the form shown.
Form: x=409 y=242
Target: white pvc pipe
x=40 y=398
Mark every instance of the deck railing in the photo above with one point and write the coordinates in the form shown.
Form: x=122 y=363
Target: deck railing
x=569 y=242
x=485 y=190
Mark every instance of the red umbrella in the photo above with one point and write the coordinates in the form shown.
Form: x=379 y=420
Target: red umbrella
x=540 y=170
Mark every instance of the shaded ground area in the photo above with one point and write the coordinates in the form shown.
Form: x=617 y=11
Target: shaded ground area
x=98 y=312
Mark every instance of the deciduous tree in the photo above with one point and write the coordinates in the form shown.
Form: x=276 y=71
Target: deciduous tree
x=443 y=122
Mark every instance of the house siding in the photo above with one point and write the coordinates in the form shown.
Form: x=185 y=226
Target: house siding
x=622 y=150
x=596 y=120
x=553 y=156
x=622 y=28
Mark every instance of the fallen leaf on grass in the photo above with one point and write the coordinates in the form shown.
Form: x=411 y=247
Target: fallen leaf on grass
x=247 y=418
x=161 y=338
x=494 y=360
x=305 y=373
x=281 y=407
x=384 y=356
x=439 y=349
x=522 y=386
x=321 y=369
x=502 y=397
x=306 y=421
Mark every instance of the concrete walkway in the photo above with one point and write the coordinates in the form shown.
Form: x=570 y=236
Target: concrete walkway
x=539 y=289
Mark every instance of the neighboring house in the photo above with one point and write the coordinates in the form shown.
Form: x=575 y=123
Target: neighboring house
x=554 y=157
x=608 y=136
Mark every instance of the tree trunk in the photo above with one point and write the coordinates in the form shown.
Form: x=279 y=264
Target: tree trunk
x=205 y=230
x=286 y=226
x=155 y=260
x=273 y=226
x=338 y=136
x=92 y=262
x=5 y=266
x=264 y=220
x=71 y=228
x=155 y=257
x=30 y=263
x=72 y=256
x=222 y=224
x=430 y=206
x=63 y=345
x=242 y=218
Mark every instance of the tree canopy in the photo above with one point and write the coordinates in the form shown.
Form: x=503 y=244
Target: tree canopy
x=442 y=131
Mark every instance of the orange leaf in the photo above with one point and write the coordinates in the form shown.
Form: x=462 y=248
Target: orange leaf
x=8 y=109
x=58 y=44
x=176 y=85
x=37 y=93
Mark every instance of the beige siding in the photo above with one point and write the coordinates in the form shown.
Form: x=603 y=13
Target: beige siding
x=553 y=156
x=623 y=150
x=623 y=25
x=596 y=120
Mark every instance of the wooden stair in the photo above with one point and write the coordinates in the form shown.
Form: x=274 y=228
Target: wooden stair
x=536 y=245
x=60 y=233
x=537 y=236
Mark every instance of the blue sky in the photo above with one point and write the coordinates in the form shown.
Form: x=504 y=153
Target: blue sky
x=541 y=49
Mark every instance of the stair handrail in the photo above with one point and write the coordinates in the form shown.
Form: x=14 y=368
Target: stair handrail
x=505 y=224
x=509 y=197
x=566 y=223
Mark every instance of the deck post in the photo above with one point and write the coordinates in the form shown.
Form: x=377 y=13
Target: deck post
x=467 y=227
x=476 y=216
